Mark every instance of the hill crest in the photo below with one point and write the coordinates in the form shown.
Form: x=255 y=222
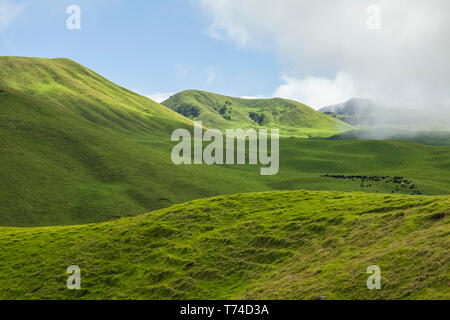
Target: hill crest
x=222 y=112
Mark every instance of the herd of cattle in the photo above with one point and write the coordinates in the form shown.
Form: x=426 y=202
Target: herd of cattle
x=366 y=182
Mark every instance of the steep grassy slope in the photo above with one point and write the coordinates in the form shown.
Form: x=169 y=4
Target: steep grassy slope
x=76 y=148
x=290 y=245
x=222 y=112
x=75 y=88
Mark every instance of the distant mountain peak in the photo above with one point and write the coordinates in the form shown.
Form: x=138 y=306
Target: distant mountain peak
x=351 y=107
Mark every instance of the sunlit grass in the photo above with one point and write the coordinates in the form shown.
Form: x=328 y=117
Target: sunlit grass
x=275 y=245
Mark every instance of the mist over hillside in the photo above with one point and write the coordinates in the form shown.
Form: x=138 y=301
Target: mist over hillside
x=351 y=107
x=383 y=121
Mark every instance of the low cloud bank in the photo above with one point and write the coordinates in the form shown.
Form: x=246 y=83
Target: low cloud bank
x=329 y=54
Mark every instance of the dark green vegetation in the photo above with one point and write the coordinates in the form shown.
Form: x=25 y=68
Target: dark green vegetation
x=78 y=149
x=276 y=245
x=222 y=112
x=398 y=183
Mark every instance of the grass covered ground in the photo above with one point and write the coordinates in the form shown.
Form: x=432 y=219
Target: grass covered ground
x=78 y=149
x=222 y=112
x=274 y=245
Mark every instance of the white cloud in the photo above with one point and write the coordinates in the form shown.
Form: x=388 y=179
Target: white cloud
x=317 y=92
x=326 y=46
x=159 y=96
x=9 y=11
x=254 y=97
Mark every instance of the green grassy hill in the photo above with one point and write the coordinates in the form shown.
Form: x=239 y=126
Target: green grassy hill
x=276 y=245
x=222 y=112
x=78 y=149
x=64 y=84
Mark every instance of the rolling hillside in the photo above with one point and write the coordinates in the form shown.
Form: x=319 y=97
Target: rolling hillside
x=78 y=149
x=64 y=84
x=276 y=245
x=222 y=112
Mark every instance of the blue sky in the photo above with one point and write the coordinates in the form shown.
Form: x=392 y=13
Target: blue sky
x=151 y=47
x=317 y=52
